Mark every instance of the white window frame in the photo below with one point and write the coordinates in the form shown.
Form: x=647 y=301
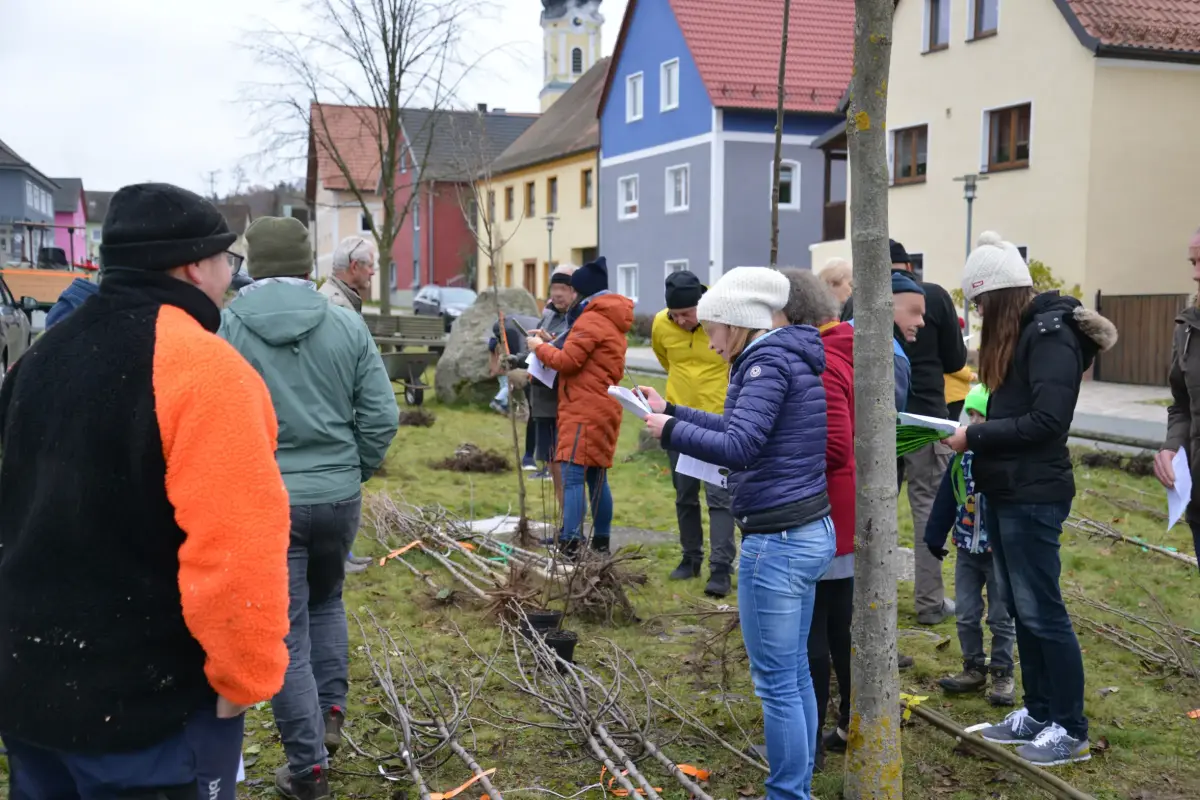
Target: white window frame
x=669 y=199
x=784 y=164
x=362 y=221
x=971 y=21
x=985 y=131
x=97 y=235
x=665 y=69
x=929 y=23
x=891 y=148
x=622 y=270
x=633 y=114
x=680 y=263
x=1024 y=255
x=581 y=70
x=29 y=196
x=622 y=207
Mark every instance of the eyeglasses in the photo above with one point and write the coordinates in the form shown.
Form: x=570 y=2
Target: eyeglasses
x=235 y=261
x=350 y=260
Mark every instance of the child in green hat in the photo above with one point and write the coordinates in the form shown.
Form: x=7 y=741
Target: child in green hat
x=959 y=509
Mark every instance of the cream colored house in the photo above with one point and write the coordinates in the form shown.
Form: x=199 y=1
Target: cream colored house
x=1081 y=115
x=538 y=199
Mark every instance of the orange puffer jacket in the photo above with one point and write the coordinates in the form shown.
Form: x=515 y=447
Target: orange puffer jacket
x=592 y=358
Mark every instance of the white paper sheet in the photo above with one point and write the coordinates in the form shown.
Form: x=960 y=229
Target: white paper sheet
x=633 y=404
x=709 y=473
x=944 y=425
x=540 y=371
x=1180 y=494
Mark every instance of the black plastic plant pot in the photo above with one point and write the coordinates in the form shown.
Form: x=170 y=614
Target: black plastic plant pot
x=563 y=643
x=541 y=621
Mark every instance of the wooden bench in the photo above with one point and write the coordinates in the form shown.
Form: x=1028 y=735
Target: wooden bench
x=407 y=331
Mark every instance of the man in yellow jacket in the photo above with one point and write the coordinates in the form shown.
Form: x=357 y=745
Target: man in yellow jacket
x=697 y=378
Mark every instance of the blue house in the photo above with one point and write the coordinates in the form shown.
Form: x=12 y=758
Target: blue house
x=26 y=208
x=687 y=122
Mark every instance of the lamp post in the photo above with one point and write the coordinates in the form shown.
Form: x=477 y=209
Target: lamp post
x=970 y=184
x=550 y=220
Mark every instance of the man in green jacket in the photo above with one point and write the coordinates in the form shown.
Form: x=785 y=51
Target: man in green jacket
x=337 y=416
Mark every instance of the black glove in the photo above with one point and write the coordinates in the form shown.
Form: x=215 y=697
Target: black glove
x=938 y=552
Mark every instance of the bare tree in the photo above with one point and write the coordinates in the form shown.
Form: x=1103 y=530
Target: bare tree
x=874 y=764
x=342 y=91
x=783 y=48
x=477 y=200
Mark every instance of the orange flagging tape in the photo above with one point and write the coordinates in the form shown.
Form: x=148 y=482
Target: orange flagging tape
x=619 y=792
x=400 y=552
x=467 y=546
x=694 y=772
x=1194 y=714
x=467 y=785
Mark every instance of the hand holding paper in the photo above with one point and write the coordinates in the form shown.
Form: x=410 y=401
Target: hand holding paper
x=1179 y=495
x=633 y=404
x=541 y=372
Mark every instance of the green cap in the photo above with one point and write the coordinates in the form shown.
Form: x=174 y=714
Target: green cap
x=977 y=399
x=278 y=247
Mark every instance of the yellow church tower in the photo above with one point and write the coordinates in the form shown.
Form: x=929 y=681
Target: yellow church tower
x=571 y=44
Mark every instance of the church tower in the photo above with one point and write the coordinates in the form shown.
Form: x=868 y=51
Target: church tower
x=571 y=44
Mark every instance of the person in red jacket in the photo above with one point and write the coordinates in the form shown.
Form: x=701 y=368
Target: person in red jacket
x=812 y=303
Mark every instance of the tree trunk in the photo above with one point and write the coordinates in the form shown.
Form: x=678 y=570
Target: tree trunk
x=783 y=47
x=874 y=764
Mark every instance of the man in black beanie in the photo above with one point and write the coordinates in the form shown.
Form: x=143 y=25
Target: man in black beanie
x=127 y=669
x=697 y=377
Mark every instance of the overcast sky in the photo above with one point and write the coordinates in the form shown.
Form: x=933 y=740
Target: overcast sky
x=125 y=91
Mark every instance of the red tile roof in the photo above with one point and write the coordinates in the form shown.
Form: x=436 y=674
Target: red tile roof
x=354 y=132
x=1164 y=26
x=735 y=44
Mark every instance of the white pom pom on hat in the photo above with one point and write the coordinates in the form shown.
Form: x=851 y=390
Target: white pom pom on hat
x=994 y=264
x=746 y=297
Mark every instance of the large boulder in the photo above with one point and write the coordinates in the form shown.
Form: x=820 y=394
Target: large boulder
x=462 y=371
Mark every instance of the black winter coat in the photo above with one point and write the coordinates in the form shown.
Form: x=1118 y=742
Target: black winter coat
x=1021 y=451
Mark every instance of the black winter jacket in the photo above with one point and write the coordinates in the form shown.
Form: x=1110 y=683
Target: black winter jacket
x=1021 y=451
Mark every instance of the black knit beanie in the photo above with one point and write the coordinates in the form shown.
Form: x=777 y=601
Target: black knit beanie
x=684 y=290
x=899 y=254
x=591 y=278
x=157 y=226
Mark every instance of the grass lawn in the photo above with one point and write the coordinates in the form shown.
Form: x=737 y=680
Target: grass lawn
x=1149 y=744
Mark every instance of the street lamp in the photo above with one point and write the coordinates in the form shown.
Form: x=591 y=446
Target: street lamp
x=550 y=220
x=970 y=184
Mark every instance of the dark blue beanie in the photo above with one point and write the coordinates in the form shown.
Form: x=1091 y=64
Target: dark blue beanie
x=591 y=278
x=902 y=283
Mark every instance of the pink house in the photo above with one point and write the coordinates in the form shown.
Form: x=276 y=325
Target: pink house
x=70 y=215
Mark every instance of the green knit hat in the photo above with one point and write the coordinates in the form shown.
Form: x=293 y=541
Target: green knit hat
x=278 y=247
x=977 y=399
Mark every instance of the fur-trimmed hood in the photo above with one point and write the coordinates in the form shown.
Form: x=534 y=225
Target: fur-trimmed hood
x=1096 y=333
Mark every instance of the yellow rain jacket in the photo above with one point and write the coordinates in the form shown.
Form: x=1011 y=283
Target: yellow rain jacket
x=958 y=384
x=696 y=376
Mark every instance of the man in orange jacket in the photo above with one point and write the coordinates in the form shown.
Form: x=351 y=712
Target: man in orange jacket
x=143 y=607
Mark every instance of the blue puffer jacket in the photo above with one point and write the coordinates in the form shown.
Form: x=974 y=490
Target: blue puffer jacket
x=772 y=434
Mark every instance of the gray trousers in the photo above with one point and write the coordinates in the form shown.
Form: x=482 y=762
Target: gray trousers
x=973 y=573
x=318 y=642
x=691 y=522
x=924 y=470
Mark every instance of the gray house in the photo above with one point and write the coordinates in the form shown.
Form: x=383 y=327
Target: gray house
x=687 y=123
x=26 y=208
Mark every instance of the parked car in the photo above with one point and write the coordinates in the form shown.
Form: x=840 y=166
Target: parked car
x=448 y=301
x=15 y=326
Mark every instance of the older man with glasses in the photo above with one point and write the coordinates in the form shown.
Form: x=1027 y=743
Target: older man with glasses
x=354 y=262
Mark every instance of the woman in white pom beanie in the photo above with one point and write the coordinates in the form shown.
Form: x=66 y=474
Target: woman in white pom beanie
x=772 y=438
x=1032 y=355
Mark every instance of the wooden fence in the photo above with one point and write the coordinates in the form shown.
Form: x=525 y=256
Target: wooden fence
x=1145 y=324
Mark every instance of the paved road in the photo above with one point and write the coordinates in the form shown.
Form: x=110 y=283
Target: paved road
x=1106 y=408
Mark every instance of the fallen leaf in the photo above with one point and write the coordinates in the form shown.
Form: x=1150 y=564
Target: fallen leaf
x=253 y=749
x=942 y=645
x=1116 y=723
x=1004 y=776
x=249 y=762
x=747 y=791
x=1101 y=745
x=1107 y=690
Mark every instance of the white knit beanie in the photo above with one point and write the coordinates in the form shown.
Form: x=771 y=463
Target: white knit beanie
x=746 y=297
x=994 y=264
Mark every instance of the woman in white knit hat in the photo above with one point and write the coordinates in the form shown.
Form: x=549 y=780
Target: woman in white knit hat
x=1033 y=352
x=771 y=438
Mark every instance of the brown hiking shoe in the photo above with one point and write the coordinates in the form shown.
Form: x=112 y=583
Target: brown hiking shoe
x=1004 y=688
x=334 y=719
x=313 y=785
x=971 y=679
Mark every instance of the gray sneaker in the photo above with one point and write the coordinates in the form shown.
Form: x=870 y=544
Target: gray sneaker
x=1054 y=747
x=1017 y=728
x=937 y=617
x=353 y=569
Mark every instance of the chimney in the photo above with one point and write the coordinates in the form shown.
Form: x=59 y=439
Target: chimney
x=482 y=108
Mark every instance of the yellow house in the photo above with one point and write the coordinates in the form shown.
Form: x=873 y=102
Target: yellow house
x=538 y=198
x=1078 y=116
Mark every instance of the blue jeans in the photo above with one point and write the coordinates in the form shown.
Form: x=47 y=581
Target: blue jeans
x=199 y=761
x=575 y=507
x=777 y=584
x=318 y=642
x=1024 y=540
